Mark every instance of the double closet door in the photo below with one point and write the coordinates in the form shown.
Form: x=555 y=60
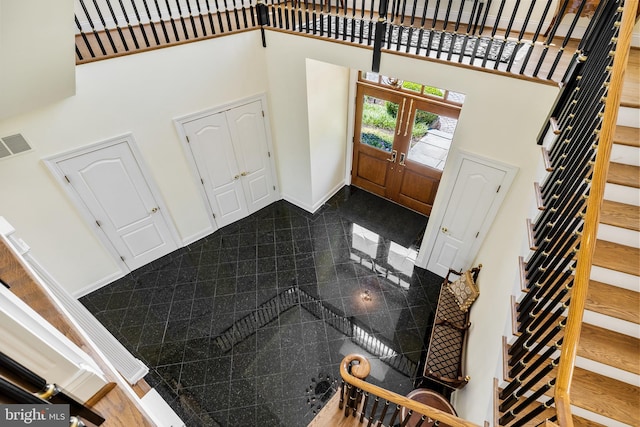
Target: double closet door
x=231 y=152
x=390 y=154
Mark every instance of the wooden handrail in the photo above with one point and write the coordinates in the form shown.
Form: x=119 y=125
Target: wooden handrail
x=591 y=220
x=361 y=371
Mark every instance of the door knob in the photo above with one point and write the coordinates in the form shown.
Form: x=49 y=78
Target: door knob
x=154 y=210
x=402 y=156
x=236 y=177
x=244 y=174
x=445 y=230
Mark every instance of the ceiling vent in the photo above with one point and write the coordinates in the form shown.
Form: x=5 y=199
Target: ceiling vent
x=13 y=144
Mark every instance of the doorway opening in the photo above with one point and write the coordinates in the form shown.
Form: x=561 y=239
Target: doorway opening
x=402 y=136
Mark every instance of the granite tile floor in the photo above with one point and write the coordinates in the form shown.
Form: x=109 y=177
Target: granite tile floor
x=247 y=326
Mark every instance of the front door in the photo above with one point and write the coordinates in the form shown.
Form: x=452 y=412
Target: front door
x=396 y=153
x=112 y=186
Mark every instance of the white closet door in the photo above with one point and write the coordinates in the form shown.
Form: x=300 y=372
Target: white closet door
x=230 y=151
x=475 y=192
x=246 y=125
x=213 y=152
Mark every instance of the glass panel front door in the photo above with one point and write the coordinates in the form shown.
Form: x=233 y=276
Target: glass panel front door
x=431 y=139
x=379 y=120
x=399 y=152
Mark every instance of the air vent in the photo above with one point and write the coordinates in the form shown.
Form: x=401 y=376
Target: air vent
x=4 y=151
x=13 y=144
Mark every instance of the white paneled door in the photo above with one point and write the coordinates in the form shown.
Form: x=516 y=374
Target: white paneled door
x=468 y=215
x=231 y=153
x=111 y=185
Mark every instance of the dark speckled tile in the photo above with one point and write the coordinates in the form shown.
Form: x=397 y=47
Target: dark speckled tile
x=170 y=312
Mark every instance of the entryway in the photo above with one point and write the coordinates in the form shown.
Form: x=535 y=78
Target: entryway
x=399 y=151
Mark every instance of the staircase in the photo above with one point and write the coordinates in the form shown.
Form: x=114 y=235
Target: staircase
x=605 y=387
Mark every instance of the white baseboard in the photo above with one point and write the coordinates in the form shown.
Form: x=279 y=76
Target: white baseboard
x=327 y=196
x=98 y=284
x=197 y=236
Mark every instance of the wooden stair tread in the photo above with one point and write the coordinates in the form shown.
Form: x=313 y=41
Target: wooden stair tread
x=613 y=301
x=621 y=174
x=617 y=257
x=630 y=96
x=551 y=412
x=610 y=348
x=625 y=135
x=331 y=415
x=620 y=215
x=606 y=396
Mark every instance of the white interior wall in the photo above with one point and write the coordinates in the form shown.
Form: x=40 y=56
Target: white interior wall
x=141 y=94
x=37 y=62
x=287 y=71
x=327 y=95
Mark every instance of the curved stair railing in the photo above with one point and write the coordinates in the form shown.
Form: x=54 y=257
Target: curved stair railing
x=556 y=275
x=369 y=405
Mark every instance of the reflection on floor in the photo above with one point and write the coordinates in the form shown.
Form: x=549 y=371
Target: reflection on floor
x=248 y=325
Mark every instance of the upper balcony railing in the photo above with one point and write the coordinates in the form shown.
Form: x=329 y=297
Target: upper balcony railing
x=535 y=39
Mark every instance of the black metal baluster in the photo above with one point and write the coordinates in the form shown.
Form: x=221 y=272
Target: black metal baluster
x=463 y=48
x=395 y=415
x=511 y=415
x=482 y=25
x=454 y=36
x=260 y=11
x=493 y=34
x=161 y=19
x=201 y=18
x=531 y=368
x=93 y=30
x=444 y=30
x=237 y=18
x=228 y=15
x=525 y=61
x=550 y=36
x=115 y=20
x=104 y=25
x=506 y=35
x=173 y=22
x=421 y=31
x=183 y=22
x=126 y=19
x=512 y=399
x=142 y=30
x=151 y=24
x=432 y=32
x=252 y=14
x=373 y=411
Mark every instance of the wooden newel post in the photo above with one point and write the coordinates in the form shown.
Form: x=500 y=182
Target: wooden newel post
x=353 y=394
